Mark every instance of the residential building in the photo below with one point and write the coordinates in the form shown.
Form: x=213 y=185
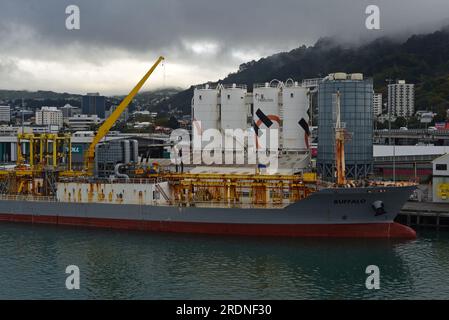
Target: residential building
x=49 y=116
x=5 y=113
x=401 y=99
x=377 y=104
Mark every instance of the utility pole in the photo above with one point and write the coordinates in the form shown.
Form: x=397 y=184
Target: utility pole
x=23 y=117
x=389 y=127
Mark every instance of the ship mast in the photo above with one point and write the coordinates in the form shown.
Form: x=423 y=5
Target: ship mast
x=339 y=144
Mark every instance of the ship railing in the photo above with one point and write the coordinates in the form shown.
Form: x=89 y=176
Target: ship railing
x=115 y=180
x=137 y=180
x=224 y=204
x=23 y=197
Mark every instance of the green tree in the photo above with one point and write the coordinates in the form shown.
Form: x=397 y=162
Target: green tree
x=400 y=122
x=163 y=122
x=173 y=123
x=413 y=123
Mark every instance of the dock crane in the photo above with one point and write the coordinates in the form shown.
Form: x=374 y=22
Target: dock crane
x=110 y=121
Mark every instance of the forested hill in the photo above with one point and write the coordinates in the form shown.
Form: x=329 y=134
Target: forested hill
x=421 y=59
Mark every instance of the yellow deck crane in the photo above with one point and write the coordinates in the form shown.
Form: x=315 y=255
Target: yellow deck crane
x=109 y=122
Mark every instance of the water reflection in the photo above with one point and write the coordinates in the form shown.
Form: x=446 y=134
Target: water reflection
x=129 y=265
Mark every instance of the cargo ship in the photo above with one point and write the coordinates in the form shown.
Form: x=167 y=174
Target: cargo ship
x=329 y=212
x=42 y=187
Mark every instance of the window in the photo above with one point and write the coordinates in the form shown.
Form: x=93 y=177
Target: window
x=291 y=95
x=441 y=167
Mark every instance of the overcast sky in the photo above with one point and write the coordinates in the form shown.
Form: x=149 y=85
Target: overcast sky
x=202 y=40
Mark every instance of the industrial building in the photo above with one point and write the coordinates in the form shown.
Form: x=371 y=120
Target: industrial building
x=440 y=179
x=401 y=98
x=356 y=100
x=150 y=145
x=112 y=153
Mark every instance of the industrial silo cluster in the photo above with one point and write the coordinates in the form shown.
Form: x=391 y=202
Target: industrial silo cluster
x=220 y=107
x=356 y=101
x=274 y=105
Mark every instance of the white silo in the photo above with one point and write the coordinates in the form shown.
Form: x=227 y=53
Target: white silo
x=234 y=115
x=295 y=104
x=266 y=113
x=205 y=110
x=234 y=111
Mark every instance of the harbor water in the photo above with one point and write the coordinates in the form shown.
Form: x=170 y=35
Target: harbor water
x=136 y=265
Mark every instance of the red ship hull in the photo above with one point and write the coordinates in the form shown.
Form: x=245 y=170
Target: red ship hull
x=362 y=230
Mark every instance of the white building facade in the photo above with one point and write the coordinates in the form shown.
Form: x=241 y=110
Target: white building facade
x=377 y=104
x=401 y=98
x=83 y=122
x=49 y=116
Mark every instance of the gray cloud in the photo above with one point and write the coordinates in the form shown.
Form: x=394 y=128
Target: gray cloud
x=11 y=76
x=199 y=33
